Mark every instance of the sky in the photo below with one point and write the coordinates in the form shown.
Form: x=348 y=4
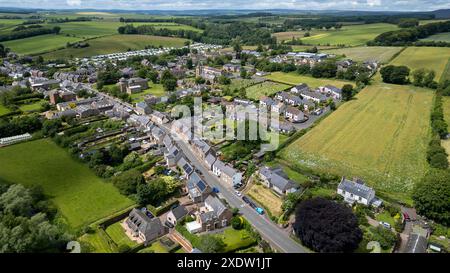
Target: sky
x=380 y=5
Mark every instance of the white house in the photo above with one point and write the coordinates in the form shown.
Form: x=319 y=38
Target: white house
x=226 y=173
x=356 y=191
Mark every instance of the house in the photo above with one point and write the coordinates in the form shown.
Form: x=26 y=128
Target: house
x=356 y=191
x=158 y=117
x=133 y=85
x=208 y=73
x=185 y=167
x=233 y=68
x=209 y=160
x=172 y=156
x=197 y=188
x=277 y=180
x=301 y=87
x=278 y=108
x=143 y=108
x=313 y=96
x=333 y=91
x=144 y=226
x=214 y=214
x=57 y=96
x=266 y=102
x=226 y=173
x=177 y=214
x=200 y=148
x=294 y=114
x=344 y=64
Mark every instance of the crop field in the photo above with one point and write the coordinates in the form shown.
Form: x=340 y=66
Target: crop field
x=295 y=79
x=115 y=43
x=266 y=88
x=381 y=54
x=39 y=44
x=78 y=194
x=444 y=37
x=351 y=35
x=435 y=58
x=381 y=136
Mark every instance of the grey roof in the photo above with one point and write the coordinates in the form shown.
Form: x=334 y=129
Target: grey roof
x=333 y=88
x=416 y=244
x=179 y=212
x=225 y=168
x=185 y=166
x=196 y=186
x=201 y=145
x=313 y=95
x=278 y=178
x=139 y=221
x=210 y=159
x=358 y=189
x=168 y=142
x=216 y=205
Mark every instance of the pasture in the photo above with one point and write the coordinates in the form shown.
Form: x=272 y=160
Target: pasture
x=80 y=196
x=115 y=43
x=295 y=79
x=441 y=37
x=381 y=54
x=381 y=136
x=266 y=88
x=39 y=44
x=351 y=35
x=435 y=58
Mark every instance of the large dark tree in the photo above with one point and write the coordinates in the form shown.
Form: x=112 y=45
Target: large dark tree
x=395 y=74
x=326 y=226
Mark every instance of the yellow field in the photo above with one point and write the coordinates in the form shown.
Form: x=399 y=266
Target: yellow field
x=381 y=136
x=435 y=58
x=294 y=79
x=266 y=198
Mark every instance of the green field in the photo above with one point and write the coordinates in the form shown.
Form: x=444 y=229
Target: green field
x=117 y=234
x=35 y=106
x=155 y=89
x=78 y=194
x=267 y=88
x=39 y=44
x=295 y=79
x=99 y=241
x=381 y=136
x=155 y=247
x=435 y=58
x=381 y=54
x=3 y=110
x=115 y=43
x=351 y=35
x=441 y=37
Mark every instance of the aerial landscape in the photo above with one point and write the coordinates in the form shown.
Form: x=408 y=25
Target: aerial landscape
x=235 y=127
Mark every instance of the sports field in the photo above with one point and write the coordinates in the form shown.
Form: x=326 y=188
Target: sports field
x=80 y=196
x=115 y=43
x=381 y=136
x=351 y=35
x=381 y=54
x=267 y=88
x=435 y=58
x=295 y=79
x=40 y=44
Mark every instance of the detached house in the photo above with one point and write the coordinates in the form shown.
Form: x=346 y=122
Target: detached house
x=356 y=191
x=331 y=90
x=197 y=189
x=276 y=179
x=294 y=114
x=214 y=214
x=143 y=226
x=226 y=173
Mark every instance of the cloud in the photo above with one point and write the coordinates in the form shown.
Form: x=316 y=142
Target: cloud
x=74 y=3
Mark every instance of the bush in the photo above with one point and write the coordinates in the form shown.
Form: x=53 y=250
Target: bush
x=123 y=248
x=237 y=222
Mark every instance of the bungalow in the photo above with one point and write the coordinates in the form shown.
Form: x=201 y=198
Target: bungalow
x=143 y=226
x=226 y=173
x=177 y=214
x=294 y=114
x=276 y=179
x=197 y=189
x=356 y=191
x=214 y=215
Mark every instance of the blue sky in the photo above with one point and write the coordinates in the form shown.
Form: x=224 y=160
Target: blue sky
x=391 y=5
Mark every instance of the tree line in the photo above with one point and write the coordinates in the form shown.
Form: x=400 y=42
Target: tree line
x=29 y=32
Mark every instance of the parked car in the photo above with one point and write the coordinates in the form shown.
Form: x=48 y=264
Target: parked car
x=260 y=211
x=406 y=217
x=386 y=225
x=215 y=190
x=238 y=193
x=246 y=200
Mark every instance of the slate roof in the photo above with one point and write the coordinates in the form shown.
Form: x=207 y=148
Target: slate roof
x=217 y=208
x=179 y=212
x=355 y=188
x=139 y=221
x=227 y=170
x=210 y=159
x=185 y=166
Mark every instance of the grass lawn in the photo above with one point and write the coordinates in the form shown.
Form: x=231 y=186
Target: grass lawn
x=35 y=106
x=116 y=43
x=267 y=88
x=97 y=241
x=39 y=44
x=323 y=192
x=351 y=35
x=155 y=89
x=117 y=234
x=441 y=37
x=236 y=239
x=382 y=54
x=385 y=217
x=3 y=110
x=267 y=198
x=293 y=175
x=435 y=58
x=78 y=194
x=381 y=136
x=156 y=247
x=240 y=83
x=295 y=79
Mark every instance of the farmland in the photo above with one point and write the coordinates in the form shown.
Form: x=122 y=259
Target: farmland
x=351 y=35
x=444 y=37
x=267 y=88
x=423 y=57
x=381 y=136
x=78 y=194
x=115 y=43
x=382 y=54
x=46 y=43
x=294 y=79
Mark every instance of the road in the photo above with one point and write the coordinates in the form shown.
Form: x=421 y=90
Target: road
x=268 y=230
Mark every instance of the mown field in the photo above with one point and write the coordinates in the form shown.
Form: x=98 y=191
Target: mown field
x=381 y=54
x=266 y=88
x=435 y=58
x=115 y=43
x=444 y=37
x=80 y=196
x=295 y=79
x=381 y=136
x=351 y=35
x=39 y=44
